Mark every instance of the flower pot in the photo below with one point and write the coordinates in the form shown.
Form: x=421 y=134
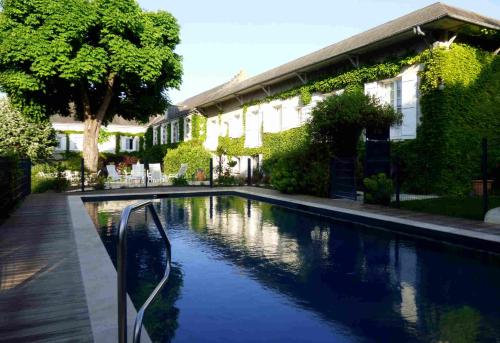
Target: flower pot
x=200 y=175
x=477 y=186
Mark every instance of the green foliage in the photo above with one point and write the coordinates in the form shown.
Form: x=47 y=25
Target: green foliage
x=42 y=184
x=51 y=54
x=388 y=68
x=338 y=121
x=191 y=152
x=24 y=137
x=303 y=170
x=100 y=183
x=198 y=127
x=378 y=189
x=452 y=206
x=104 y=136
x=272 y=143
x=305 y=96
x=148 y=138
x=118 y=144
x=156 y=153
x=179 y=181
x=445 y=157
x=461 y=325
x=141 y=144
x=71 y=161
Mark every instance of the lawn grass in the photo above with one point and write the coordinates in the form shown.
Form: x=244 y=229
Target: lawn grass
x=468 y=207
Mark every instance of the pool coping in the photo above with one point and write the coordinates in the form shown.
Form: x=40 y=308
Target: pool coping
x=99 y=274
x=99 y=278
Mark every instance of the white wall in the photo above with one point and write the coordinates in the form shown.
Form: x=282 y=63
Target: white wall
x=76 y=139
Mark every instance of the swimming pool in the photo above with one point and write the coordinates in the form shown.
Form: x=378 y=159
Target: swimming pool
x=249 y=271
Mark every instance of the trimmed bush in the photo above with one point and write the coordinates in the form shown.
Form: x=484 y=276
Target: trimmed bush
x=192 y=153
x=378 y=189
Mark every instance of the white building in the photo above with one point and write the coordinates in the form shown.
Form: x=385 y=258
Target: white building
x=225 y=106
x=123 y=132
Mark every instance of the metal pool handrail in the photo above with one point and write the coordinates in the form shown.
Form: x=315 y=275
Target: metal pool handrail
x=122 y=271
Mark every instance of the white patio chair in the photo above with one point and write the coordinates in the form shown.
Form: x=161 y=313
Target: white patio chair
x=137 y=173
x=154 y=173
x=113 y=175
x=181 y=173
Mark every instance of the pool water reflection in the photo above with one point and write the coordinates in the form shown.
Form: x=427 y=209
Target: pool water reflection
x=248 y=271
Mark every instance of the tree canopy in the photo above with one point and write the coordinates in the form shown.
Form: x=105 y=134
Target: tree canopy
x=24 y=137
x=90 y=58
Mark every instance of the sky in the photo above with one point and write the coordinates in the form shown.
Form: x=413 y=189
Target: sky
x=221 y=37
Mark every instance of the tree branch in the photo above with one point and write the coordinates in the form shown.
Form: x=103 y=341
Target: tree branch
x=87 y=110
x=107 y=97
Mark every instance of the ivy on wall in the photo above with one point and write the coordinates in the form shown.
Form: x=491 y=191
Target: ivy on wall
x=386 y=69
x=148 y=138
x=272 y=143
x=198 y=127
x=118 y=143
x=445 y=156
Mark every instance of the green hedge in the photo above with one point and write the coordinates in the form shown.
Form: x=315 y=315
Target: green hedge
x=191 y=152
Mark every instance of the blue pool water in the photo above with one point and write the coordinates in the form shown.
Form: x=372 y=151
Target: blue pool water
x=248 y=271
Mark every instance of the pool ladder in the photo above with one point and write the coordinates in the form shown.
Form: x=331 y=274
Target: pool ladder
x=122 y=271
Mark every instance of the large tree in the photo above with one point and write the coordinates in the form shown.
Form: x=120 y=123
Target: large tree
x=92 y=59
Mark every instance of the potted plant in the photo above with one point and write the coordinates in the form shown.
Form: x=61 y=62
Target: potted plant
x=200 y=175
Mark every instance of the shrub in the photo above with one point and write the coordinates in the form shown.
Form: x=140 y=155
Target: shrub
x=71 y=161
x=379 y=189
x=190 y=152
x=27 y=138
x=304 y=170
x=43 y=184
x=100 y=183
x=338 y=120
x=179 y=181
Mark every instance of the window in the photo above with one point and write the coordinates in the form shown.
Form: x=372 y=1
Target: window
x=163 y=131
x=129 y=143
x=155 y=135
x=175 y=132
x=253 y=130
x=187 y=128
x=236 y=126
x=394 y=88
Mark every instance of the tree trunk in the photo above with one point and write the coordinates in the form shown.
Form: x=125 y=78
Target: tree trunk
x=92 y=124
x=90 y=149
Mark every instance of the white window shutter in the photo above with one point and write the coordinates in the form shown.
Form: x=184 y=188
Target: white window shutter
x=371 y=88
x=409 y=103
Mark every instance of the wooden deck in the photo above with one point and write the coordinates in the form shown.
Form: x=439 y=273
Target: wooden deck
x=41 y=292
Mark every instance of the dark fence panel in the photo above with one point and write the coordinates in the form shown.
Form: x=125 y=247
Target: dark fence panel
x=378 y=157
x=343 y=178
x=15 y=182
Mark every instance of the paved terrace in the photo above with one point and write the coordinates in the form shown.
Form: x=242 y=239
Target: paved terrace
x=42 y=292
